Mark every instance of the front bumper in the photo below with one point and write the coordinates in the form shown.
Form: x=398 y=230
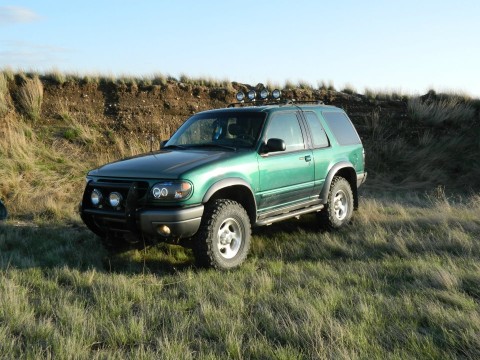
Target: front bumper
x=134 y=215
x=361 y=178
x=179 y=223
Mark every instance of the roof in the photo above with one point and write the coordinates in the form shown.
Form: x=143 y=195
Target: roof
x=247 y=108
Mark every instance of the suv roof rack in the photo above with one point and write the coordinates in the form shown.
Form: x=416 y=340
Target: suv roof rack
x=295 y=102
x=254 y=103
x=280 y=103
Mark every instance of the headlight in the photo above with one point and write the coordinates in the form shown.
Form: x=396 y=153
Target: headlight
x=96 y=197
x=171 y=190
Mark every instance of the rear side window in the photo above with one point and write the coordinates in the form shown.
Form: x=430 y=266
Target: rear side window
x=319 y=137
x=342 y=128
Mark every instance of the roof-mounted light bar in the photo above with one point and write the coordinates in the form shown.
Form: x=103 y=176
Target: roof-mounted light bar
x=251 y=95
x=262 y=96
x=276 y=94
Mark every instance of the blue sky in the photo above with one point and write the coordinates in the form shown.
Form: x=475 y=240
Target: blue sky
x=410 y=46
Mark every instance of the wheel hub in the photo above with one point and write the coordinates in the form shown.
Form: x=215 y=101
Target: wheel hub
x=230 y=237
x=340 y=205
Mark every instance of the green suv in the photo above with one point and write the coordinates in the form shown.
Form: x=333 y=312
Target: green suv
x=227 y=169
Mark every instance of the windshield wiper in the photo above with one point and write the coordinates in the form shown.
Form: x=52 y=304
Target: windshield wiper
x=174 y=147
x=214 y=145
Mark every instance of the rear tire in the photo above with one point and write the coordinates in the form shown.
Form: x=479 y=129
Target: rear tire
x=339 y=208
x=223 y=239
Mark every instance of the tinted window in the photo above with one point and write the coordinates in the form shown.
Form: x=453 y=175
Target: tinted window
x=285 y=126
x=342 y=128
x=318 y=134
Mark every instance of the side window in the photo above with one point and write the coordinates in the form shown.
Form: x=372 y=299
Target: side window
x=342 y=128
x=319 y=137
x=285 y=126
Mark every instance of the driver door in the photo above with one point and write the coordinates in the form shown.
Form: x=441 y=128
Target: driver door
x=285 y=177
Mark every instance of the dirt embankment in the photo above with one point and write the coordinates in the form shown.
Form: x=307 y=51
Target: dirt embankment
x=160 y=109
x=401 y=148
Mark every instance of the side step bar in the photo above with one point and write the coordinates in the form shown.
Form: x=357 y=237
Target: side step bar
x=273 y=219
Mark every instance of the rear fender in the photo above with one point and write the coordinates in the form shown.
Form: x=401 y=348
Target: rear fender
x=346 y=170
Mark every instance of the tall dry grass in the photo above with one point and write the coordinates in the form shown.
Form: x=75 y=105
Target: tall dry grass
x=451 y=109
x=30 y=97
x=414 y=152
x=4 y=94
x=42 y=172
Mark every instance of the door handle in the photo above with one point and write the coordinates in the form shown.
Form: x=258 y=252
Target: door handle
x=308 y=158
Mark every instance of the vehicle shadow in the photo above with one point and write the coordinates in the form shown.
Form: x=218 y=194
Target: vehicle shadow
x=26 y=245
x=51 y=246
x=55 y=246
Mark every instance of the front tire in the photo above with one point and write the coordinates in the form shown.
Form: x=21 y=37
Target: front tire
x=339 y=208
x=223 y=239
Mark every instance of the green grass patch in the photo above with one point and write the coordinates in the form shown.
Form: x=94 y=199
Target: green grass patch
x=71 y=134
x=401 y=282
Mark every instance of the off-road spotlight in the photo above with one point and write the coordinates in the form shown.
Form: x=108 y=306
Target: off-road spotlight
x=251 y=95
x=96 y=197
x=276 y=94
x=264 y=94
x=240 y=96
x=115 y=199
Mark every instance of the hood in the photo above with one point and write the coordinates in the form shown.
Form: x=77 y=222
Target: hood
x=162 y=164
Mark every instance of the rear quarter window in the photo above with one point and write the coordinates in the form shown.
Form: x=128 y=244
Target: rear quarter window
x=342 y=128
x=319 y=137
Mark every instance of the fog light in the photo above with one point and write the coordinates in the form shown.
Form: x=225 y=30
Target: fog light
x=163 y=230
x=96 y=197
x=115 y=199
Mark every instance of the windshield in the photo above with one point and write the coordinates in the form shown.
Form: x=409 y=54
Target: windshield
x=219 y=129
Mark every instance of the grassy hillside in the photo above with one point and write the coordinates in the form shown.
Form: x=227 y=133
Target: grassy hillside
x=402 y=282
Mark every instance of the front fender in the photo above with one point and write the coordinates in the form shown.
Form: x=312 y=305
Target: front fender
x=224 y=184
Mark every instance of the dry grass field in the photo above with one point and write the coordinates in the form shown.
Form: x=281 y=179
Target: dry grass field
x=402 y=281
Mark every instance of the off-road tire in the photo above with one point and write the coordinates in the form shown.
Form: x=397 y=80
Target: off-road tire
x=223 y=239
x=338 y=210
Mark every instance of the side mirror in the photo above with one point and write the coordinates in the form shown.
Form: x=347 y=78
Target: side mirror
x=274 y=145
